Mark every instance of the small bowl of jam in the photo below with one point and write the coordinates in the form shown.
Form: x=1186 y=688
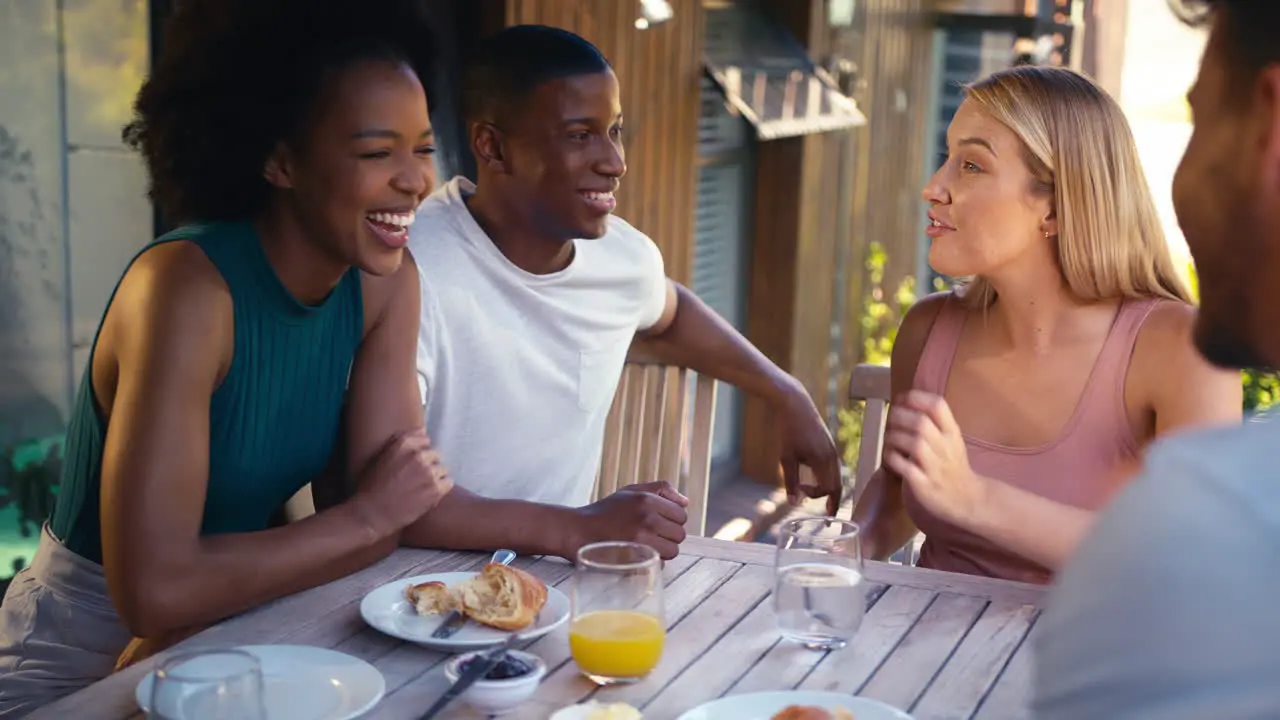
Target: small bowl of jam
x=507 y=684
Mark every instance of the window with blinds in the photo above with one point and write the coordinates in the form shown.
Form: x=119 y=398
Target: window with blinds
x=722 y=243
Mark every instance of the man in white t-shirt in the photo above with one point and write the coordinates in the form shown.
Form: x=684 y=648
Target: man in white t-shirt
x=1168 y=610
x=532 y=293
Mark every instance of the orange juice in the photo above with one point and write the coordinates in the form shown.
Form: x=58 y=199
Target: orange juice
x=616 y=643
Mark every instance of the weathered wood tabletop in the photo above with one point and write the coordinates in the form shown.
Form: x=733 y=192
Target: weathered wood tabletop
x=936 y=644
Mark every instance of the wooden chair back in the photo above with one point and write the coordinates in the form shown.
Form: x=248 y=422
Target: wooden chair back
x=870 y=384
x=659 y=428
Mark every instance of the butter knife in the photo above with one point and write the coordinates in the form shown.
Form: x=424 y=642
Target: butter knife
x=454 y=621
x=476 y=670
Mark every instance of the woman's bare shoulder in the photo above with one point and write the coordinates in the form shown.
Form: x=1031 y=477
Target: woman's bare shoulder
x=913 y=333
x=914 y=329
x=171 y=304
x=1169 y=375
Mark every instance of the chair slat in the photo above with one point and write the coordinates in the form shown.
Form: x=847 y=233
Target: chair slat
x=633 y=427
x=670 y=464
x=697 y=483
x=872 y=384
x=871 y=444
x=611 y=455
x=655 y=417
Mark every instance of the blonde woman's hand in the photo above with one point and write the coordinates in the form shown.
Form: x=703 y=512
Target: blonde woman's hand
x=924 y=445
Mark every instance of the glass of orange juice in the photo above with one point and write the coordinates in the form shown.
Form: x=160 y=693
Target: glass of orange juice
x=617 y=630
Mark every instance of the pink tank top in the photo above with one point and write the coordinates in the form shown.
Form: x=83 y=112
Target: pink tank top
x=1076 y=469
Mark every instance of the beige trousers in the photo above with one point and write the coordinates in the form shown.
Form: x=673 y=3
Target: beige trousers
x=58 y=630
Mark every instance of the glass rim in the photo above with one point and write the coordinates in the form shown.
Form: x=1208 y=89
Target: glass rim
x=791 y=528
x=170 y=666
x=651 y=555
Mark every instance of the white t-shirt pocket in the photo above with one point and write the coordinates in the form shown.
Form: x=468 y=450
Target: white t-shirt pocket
x=599 y=370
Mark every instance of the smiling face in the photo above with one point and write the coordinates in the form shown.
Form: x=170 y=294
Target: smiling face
x=987 y=210
x=363 y=164
x=562 y=156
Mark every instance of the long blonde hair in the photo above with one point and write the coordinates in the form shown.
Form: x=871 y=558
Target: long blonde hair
x=1078 y=146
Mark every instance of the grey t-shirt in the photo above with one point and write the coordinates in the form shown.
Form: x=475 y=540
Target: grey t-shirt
x=1170 y=609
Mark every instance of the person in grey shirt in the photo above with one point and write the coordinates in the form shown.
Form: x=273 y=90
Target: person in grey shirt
x=1170 y=608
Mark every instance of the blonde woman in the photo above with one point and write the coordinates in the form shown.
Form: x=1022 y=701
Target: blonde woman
x=1023 y=398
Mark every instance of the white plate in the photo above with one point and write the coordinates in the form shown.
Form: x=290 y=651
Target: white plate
x=387 y=610
x=306 y=683
x=764 y=705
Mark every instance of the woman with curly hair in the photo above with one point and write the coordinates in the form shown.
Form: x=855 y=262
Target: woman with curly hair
x=292 y=141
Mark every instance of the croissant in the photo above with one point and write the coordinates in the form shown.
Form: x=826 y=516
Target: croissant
x=801 y=712
x=499 y=596
x=431 y=598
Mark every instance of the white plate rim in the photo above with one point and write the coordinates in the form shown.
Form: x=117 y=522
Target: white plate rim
x=144 y=700
x=820 y=698
x=373 y=607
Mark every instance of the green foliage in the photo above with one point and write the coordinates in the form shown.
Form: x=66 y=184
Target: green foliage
x=882 y=310
x=1261 y=390
x=29 y=477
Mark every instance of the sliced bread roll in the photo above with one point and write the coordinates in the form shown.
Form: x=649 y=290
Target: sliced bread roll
x=503 y=597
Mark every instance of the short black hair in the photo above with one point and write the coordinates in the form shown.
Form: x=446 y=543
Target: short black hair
x=504 y=67
x=1250 y=30
x=236 y=77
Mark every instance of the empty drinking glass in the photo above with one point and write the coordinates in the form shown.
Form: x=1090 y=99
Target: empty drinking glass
x=819 y=597
x=208 y=685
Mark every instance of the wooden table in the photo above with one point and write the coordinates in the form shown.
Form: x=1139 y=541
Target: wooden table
x=936 y=644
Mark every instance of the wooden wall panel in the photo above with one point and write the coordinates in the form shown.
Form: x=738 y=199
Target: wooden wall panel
x=823 y=198
x=1105 y=26
x=798 y=235
x=895 y=46
x=783 y=222
x=830 y=264
x=659 y=69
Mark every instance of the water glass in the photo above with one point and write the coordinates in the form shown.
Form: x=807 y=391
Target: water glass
x=617 y=630
x=208 y=685
x=819 y=596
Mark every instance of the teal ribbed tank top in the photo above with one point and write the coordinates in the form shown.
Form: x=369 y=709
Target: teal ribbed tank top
x=274 y=418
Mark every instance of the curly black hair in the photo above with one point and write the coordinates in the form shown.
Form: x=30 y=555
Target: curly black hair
x=236 y=77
